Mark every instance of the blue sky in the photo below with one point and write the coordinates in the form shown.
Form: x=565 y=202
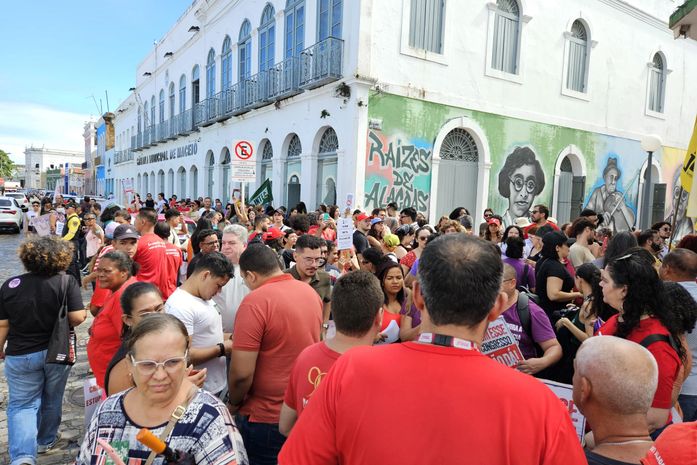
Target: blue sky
x=56 y=55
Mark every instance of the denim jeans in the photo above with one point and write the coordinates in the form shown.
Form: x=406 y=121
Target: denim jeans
x=36 y=403
x=263 y=441
x=688 y=404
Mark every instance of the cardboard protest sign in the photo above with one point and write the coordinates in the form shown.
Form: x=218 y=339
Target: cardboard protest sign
x=92 y=395
x=500 y=344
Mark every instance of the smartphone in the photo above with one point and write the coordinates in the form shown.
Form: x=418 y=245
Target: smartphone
x=325 y=216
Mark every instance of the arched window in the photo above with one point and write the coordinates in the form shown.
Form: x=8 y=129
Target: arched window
x=330 y=18
x=504 y=55
x=459 y=145
x=657 y=83
x=576 y=77
x=244 y=50
x=152 y=111
x=295 y=28
x=266 y=161
x=146 y=115
x=225 y=194
x=171 y=100
x=226 y=65
x=162 y=105
x=195 y=85
x=267 y=34
x=182 y=94
x=140 y=117
x=327 y=167
x=210 y=164
x=294 y=147
x=210 y=74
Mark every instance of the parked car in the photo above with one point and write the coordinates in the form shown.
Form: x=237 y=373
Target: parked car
x=11 y=214
x=21 y=199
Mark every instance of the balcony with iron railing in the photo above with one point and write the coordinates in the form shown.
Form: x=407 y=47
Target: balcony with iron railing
x=133 y=143
x=123 y=156
x=321 y=63
x=282 y=80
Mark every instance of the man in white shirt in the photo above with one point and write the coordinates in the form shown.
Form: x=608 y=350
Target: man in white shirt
x=207 y=204
x=193 y=304
x=230 y=297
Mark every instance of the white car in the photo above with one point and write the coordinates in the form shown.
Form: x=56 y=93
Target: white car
x=21 y=199
x=10 y=214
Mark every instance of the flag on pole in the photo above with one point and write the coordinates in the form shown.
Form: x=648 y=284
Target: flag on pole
x=263 y=195
x=689 y=168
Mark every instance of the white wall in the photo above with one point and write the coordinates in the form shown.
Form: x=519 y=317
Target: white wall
x=627 y=37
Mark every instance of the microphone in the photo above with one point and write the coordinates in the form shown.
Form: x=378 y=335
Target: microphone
x=155 y=444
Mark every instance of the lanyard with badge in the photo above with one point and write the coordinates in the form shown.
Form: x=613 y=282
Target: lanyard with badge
x=447 y=341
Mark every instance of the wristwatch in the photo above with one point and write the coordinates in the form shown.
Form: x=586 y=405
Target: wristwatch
x=221 y=346
x=325 y=325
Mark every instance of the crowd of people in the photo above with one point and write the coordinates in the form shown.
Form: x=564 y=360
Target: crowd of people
x=277 y=347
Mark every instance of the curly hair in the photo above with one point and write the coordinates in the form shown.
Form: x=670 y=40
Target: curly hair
x=683 y=305
x=519 y=157
x=46 y=256
x=645 y=294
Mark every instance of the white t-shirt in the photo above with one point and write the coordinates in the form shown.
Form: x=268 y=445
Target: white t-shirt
x=229 y=299
x=160 y=205
x=205 y=328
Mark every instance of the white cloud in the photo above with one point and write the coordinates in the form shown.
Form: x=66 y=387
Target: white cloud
x=25 y=124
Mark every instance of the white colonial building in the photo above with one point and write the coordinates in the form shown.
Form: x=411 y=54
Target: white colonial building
x=38 y=160
x=428 y=103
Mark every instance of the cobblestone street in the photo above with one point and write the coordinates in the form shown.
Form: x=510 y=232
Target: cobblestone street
x=73 y=428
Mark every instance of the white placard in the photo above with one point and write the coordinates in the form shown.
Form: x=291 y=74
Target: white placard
x=42 y=224
x=500 y=344
x=344 y=234
x=93 y=395
x=59 y=228
x=565 y=394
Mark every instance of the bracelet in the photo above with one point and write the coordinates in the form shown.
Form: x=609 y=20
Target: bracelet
x=221 y=346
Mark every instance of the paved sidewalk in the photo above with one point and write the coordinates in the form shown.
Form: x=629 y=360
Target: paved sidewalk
x=72 y=428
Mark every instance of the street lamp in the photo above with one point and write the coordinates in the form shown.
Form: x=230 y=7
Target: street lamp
x=650 y=143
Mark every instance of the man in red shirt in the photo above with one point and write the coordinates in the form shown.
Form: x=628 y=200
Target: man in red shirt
x=174 y=259
x=274 y=323
x=357 y=311
x=439 y=398
x=151 y=251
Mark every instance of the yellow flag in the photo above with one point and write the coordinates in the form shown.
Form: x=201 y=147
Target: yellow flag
x=688 y=166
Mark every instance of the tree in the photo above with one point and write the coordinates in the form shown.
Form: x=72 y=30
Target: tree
x=7 y=166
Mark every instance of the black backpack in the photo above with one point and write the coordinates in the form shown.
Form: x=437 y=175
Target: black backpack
x=523 y=287
x=651 y=338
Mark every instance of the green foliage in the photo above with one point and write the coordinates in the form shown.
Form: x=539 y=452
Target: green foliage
x=7 y=166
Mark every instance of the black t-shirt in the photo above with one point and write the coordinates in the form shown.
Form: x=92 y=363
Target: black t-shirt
x=360 y=241
x=551 y=268
x=150 y=203
x=31 y=304
x=595 y=459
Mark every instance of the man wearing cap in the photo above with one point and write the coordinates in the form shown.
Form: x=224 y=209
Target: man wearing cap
x=126 y=241
x=278 y=215
x=308 y=259
x=360 y=235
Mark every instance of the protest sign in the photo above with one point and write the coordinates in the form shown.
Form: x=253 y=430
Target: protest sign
x=500 y=344
x=565 y=394
x=42 y=224
x=92 y=394
x=344 y=234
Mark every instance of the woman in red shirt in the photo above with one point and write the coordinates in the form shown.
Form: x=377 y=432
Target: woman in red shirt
x=115 y=272
x=630 y=285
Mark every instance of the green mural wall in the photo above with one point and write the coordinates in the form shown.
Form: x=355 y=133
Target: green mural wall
x=399 y=158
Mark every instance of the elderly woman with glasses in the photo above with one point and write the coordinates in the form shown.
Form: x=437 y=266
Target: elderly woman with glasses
x=191 y=420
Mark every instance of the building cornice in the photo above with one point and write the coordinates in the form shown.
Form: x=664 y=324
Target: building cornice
x=636 y=13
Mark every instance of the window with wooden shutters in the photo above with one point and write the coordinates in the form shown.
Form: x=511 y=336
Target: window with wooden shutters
x=576 y=76
x=426 y=24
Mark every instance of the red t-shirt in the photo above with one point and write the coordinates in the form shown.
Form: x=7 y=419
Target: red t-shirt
x=150 y=255
x=312 y=365
x=667 y=359
x=100 y=295
x=676 y=445
x=277 y=320
x=105 y=334
x=441 y=405
x=174 y=262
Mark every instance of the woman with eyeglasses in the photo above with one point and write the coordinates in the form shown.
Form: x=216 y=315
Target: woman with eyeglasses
x=138 y=300
x=631 y=286
x=422 y=235
x=115 y=273
x=520 y=180
x=163 y=400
